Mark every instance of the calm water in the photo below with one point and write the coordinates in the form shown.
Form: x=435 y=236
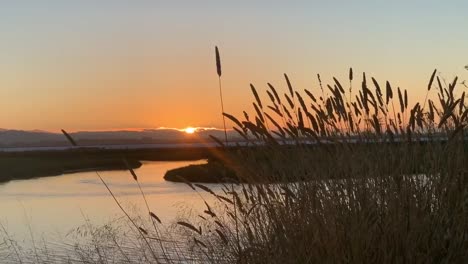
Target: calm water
x=53 y=206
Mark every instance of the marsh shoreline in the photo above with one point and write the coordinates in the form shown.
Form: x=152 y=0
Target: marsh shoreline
x=34 y=164
x=28 y=165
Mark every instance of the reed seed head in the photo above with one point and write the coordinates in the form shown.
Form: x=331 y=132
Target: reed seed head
x=218 y=61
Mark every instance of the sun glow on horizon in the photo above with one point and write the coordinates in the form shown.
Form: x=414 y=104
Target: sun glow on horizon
x=190 y=130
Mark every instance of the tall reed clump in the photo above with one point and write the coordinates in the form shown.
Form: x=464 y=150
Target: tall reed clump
x=342 y=178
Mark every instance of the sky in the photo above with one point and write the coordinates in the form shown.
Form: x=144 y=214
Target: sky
x=107 y=65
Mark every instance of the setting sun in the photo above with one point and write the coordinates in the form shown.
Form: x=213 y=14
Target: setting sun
x=190 y=130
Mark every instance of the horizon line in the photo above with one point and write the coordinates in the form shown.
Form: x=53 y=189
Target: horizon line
x=130 y=129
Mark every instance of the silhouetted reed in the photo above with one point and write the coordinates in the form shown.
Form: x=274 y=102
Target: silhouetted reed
x=218 y=71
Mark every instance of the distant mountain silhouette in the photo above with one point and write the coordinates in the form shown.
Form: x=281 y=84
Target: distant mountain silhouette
x=22 y=138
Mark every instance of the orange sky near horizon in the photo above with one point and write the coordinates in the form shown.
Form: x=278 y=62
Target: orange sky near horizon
x=85 y=67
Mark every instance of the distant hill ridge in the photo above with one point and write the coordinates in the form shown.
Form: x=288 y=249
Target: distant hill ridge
x=29 y=138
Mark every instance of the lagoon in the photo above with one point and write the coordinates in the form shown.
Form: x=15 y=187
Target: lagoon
x=50 y=207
